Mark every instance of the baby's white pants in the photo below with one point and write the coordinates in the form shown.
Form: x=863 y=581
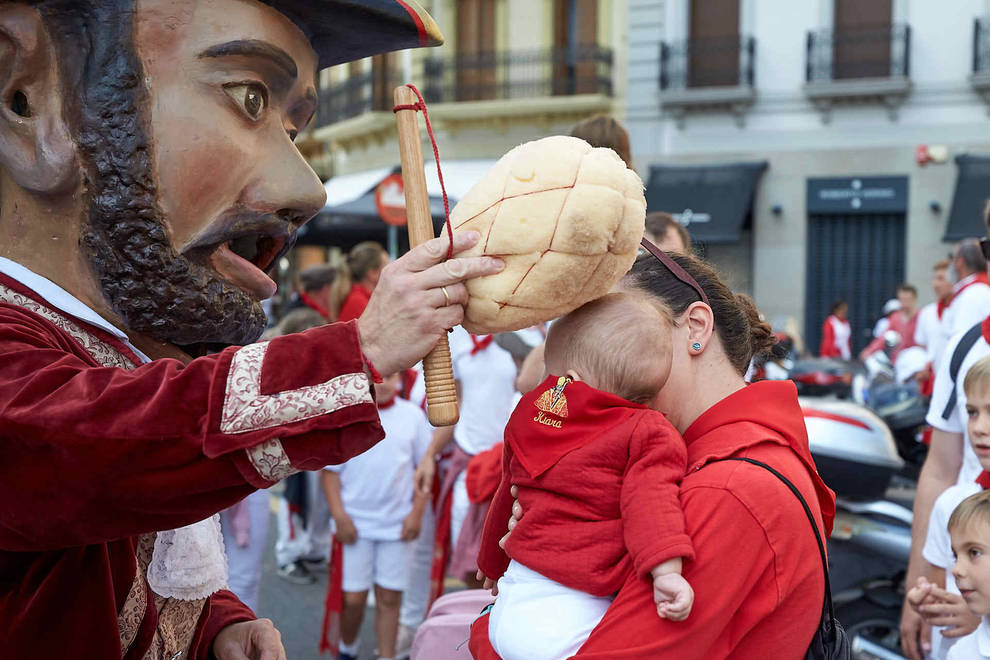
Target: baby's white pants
x=536 y=618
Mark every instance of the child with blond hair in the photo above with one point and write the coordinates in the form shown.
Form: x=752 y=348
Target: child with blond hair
x=937 y=596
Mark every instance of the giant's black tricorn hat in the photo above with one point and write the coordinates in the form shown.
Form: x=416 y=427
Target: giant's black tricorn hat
x=345 y=30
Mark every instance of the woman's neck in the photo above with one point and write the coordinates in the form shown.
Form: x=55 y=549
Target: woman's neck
x=713 y=379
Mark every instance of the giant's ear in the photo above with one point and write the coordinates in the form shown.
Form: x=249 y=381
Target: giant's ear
x=36 y=149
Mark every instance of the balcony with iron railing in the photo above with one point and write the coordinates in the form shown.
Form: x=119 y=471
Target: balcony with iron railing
x=523 y=74
x=980 y=78
x=858 y=65
x=358 y=94
x=704 y=74
x=542 y=85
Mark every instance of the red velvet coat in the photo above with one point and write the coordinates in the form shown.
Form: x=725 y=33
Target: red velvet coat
x=94 y=457
x=599 y=490
x=757 y=575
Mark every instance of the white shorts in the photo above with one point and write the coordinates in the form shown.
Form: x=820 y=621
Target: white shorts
x=536 y=618
x=385 y=563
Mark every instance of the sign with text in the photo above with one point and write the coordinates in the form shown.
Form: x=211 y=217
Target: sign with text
x=863 y=194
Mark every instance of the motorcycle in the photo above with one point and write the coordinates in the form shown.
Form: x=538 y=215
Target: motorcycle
x=857 y=457
x=889 y=388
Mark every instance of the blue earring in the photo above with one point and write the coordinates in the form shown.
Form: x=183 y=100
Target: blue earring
x=696 y=346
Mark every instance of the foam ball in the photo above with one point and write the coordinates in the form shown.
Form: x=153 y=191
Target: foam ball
x=567 y=219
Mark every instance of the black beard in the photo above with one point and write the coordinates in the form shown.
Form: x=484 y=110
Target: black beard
x=155 y=290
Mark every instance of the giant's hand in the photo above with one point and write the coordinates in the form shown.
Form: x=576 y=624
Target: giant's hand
x=249 y=640
x=408 y=311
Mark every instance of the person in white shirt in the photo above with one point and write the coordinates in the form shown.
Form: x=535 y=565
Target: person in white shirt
x=971 y=293
x=377 y=515
x=936 y=596
x=928 y=332
x=969 y=531
x=950 y=459
x=485 y=375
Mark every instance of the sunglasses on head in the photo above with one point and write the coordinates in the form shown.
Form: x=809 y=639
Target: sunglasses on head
x=676 y=270
x=985 y=246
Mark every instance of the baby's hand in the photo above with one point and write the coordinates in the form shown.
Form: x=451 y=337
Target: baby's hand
x=673 y=596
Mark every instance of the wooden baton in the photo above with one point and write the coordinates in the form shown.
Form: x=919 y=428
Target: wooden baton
x=441 y=394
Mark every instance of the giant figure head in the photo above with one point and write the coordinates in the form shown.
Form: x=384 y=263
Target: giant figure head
x=147 y=162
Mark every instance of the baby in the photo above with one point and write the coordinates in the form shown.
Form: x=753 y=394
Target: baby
x=597 y=475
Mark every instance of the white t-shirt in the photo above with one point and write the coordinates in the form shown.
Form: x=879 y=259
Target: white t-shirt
x=842 y=331
x=970 y=305
x=938 y=549
x=928 y=332
x=972 y=647
x=488 y=386
x=377 y=486
x=942 y=391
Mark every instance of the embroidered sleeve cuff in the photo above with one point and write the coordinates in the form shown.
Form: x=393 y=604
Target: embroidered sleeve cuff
x=271 y=391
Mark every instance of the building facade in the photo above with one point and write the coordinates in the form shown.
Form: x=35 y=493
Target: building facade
x=818 y=150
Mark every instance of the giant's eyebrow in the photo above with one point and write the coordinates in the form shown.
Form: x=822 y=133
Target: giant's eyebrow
x=254 y=48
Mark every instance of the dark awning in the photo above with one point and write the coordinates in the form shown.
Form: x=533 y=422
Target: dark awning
x=712 y=201
x=350 y=223
x=972 y=192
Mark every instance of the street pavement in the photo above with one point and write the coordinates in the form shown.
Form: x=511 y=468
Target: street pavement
x=297 y=610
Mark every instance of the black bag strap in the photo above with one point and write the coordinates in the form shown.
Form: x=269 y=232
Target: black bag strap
x=827 y=608
x=955 y=363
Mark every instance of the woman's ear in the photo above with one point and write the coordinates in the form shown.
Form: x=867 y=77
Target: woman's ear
x=700 y=326
x=36 y=149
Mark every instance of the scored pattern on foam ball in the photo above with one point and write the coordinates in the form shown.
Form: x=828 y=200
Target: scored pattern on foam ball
x=566 y=218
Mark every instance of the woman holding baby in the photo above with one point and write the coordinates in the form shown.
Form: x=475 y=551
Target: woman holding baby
x=756 y=571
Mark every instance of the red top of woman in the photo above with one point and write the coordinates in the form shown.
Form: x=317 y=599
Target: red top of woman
x=757 y=572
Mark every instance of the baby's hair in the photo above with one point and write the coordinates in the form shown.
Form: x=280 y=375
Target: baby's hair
x=973 y=508
x=978 y=376
x=619 y=343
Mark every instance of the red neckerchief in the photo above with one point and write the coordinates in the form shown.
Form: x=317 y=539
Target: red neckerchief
x=480 y=344
x=384 y=405
x=979 y=278
x=557 y=418
x=333 y=606
x=985 y=329
x=312 y=304
x=941 y=306
x=984 y=480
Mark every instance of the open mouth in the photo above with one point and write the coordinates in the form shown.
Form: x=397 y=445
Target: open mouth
x=244 y=258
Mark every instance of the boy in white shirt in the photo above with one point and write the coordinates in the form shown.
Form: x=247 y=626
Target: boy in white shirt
x=377 y=515
x=938 y=599
x=969 y=527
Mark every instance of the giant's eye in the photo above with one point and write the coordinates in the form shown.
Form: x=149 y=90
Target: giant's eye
x=251 y=96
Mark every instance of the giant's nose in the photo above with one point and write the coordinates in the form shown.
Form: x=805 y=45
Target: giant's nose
x=285 y=184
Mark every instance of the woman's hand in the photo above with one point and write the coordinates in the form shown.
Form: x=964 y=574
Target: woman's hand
x=517 y=514
x=488 y=583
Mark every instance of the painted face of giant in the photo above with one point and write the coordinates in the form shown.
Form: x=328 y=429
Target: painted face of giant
x=196 y=188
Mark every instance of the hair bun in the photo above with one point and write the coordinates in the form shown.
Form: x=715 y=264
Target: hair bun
x=761 y=335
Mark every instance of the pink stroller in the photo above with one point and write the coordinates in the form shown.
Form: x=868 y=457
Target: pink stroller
x=444 y=633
